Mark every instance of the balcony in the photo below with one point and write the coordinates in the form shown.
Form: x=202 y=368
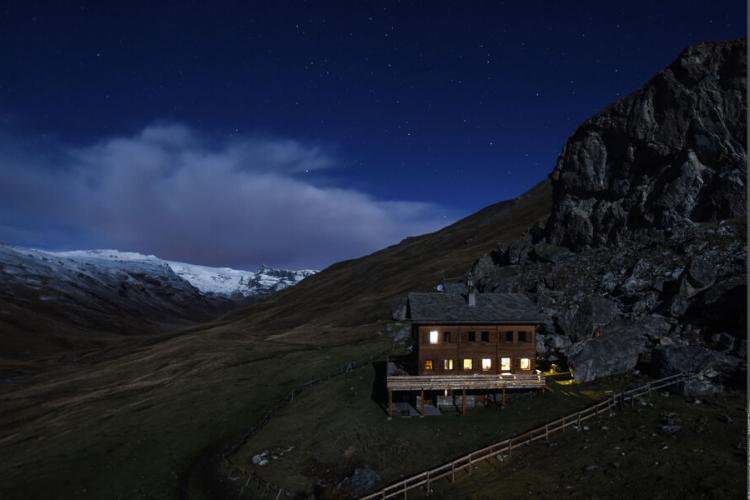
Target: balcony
x=468 y=382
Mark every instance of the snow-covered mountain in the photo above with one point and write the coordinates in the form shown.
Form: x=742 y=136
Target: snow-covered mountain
x=71 y=303
x=222 y=281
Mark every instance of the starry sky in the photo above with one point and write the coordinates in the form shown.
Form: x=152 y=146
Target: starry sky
x=298 y=134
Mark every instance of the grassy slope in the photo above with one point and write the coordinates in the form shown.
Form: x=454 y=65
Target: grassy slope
x=134 y=418
x=627 y=456
x=360 y=291
x=330 y=440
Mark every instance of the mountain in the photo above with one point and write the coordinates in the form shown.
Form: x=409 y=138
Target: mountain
x=670 y=154
x=172 y=417
x=68 y=302
x=218 y=281
x=644 y=253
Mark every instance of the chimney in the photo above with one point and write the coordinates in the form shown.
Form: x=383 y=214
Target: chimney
x=470 y=290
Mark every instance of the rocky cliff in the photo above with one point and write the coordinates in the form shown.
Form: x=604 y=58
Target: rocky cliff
x=643 y=256
x=671 y=153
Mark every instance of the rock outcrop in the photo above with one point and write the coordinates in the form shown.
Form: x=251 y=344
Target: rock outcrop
x=644 y=250
x=671 y=153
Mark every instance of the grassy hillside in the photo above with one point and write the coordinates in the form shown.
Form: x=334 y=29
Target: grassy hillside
x=132 y=420
x=360 y=291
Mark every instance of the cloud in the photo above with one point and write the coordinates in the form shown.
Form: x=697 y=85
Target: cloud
x=173 y=192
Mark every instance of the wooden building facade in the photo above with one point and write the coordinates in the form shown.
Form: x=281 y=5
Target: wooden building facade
x=475 y=348
x=465 y=340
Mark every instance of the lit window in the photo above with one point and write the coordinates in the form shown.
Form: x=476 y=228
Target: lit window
x=447 y=364
x=525 y=364
x=468 y=365
x=428 y=364
x=433 y=337
x=486 y=364
x=505 y=364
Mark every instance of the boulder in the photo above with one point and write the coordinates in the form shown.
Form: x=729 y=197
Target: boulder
x=700 y=273
x=655 y=327
x=541 y=344
x=617 y=351
x=724 y=342
x=557 y=342
x=594 y=311
x=546 y=252
x=669 y=360
x=362 y=481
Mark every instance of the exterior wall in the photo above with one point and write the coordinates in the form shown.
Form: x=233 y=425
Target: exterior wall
x=461 y=347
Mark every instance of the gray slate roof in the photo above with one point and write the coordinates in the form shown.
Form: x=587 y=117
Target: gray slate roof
x=491 y=308
x=458 y=288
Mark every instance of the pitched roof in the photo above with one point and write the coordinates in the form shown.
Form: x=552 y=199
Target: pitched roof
x=490 y=308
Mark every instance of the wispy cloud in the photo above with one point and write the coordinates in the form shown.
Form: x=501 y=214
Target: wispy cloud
x=174 y=192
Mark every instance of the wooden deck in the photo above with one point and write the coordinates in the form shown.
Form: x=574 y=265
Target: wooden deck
x=468 y=382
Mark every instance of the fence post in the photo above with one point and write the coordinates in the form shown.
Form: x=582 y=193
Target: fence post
x=546 y=432
x=390 y=403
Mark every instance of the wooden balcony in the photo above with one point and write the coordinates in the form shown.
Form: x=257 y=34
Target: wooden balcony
x=467 y=382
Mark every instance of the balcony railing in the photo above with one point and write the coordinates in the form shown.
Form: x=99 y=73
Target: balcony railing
x=474 y=381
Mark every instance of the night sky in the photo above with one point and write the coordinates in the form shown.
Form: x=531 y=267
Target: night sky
x=298 y=134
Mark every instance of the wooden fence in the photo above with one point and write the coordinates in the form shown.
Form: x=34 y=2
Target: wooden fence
x=466 y=463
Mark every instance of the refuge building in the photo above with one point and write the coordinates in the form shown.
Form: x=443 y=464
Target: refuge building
x=466 y=341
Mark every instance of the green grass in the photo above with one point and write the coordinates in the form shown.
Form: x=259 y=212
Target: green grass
x=625 y=456
x=336 y=427
x=129 y=428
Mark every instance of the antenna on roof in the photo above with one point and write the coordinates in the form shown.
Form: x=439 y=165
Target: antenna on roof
x=470 y=290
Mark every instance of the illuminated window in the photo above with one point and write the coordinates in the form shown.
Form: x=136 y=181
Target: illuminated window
x=468 y=365
x=505 y=364
x=485 y=336
x=447 y=364
x=525 y=364
x=433 y=337
x=428 y=364
x=509 y=337
x=486 y=364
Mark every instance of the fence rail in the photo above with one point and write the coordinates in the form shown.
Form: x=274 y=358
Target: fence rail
x=466 y=462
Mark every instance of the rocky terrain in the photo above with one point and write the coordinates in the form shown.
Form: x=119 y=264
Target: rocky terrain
x=643 y=256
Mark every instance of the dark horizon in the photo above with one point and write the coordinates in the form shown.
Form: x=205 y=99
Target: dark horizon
x=297 y=136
